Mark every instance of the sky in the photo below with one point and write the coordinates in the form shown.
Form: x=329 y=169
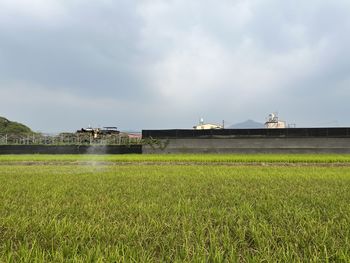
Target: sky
x=163 y=64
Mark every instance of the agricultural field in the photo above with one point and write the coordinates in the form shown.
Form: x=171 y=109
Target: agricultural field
x=180 y=159
x=174 y=208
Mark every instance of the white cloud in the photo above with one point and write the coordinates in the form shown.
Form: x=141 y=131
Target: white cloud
x=198 y=64
x=41 y=10
x=52 y=110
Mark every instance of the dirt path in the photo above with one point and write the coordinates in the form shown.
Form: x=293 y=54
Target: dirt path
x=155 y=163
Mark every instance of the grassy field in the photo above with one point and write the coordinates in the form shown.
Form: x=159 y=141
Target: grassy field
x=182 y=158
x=54 y=209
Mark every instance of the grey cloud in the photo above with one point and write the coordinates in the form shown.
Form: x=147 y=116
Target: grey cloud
x=154 y=64
x=93 y=50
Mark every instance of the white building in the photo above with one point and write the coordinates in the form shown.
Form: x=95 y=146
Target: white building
x=273 y=122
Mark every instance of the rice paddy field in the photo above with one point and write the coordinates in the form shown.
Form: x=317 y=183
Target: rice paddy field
x=175 y=208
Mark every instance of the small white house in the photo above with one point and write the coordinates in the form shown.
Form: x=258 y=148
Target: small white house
x=206 y=126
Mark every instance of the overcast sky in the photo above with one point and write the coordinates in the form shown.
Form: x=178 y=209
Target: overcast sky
x=143 y=64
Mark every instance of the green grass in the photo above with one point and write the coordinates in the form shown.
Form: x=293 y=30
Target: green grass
x=185 y=158
x=173 y=213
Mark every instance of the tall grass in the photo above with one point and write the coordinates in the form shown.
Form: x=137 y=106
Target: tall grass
x=165 y=213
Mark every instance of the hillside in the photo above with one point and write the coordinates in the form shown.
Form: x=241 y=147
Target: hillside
x=10 y=127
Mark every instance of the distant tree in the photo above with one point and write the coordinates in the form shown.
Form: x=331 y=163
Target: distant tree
x=10 y=127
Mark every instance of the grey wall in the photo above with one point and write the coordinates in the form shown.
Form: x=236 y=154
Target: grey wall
x=251 y=145
x=69 y=149
x=232 y=145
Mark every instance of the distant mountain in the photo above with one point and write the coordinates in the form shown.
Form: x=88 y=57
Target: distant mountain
x=11 y=127
x=249 y=124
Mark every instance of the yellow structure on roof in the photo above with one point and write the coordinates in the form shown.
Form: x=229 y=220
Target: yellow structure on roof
x=206 y=126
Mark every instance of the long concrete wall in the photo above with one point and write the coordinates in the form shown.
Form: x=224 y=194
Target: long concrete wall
x=70 y=149
x=250 y=145
x=196 y=145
